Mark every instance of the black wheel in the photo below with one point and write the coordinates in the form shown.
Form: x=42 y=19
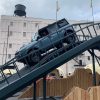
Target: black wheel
x=71 y=39
x=33 y=58
x=58 y=46
x=69 y=36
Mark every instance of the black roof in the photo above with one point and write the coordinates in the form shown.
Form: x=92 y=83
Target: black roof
x=59 y=23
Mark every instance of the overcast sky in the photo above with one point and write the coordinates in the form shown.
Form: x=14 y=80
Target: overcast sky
x=70 y=9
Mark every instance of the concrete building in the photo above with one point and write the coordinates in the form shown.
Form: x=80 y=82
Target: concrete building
x=16 y=31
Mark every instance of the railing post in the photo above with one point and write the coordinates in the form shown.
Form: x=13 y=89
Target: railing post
x=94 y=73
x=17 y=70
x=4 y=76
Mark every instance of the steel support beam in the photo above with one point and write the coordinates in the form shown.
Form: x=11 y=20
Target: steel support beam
x=44 y=87
x=34 y=90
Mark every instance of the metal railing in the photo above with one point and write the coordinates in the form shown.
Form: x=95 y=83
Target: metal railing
x=81 y=34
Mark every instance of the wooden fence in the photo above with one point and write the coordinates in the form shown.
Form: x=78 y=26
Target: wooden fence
x=58 y=87
x=77 y=93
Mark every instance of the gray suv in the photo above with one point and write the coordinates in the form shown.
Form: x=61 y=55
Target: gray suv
x=50 y=37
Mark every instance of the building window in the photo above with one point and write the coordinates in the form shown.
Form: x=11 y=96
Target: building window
x=80 y=62
x=11 y=23
x=98 y=27
x=24 y=34
x=10 y=33
x=36 y=24
x=10 y=45
x=24 y=24
x=9 y=56
x=88 y=57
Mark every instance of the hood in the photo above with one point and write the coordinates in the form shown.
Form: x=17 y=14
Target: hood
x=27 y=46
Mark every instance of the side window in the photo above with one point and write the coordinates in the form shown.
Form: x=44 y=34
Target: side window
x=10 y=45
x=62 y=23
x=24 y=34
